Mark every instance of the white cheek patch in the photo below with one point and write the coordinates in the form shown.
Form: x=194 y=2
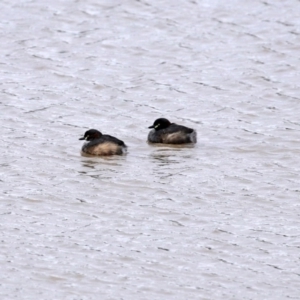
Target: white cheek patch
x=157 y=126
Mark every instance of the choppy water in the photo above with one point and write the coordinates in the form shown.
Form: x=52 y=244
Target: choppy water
x=216 y=221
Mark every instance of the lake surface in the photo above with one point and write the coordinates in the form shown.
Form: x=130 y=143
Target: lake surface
x=219 y=220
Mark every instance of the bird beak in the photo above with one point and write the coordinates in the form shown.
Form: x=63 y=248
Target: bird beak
x=152 y=126
x=82 y=138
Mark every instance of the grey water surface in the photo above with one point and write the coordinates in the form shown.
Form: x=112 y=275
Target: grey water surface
x=218 y=220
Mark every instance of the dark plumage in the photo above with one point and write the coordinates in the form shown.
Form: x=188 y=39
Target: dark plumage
x=102 y=144
x=170 y=133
